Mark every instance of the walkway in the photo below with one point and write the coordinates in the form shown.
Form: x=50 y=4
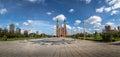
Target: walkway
x=59 y=48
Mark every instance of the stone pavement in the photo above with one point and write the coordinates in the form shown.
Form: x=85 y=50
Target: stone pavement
x=58 y=48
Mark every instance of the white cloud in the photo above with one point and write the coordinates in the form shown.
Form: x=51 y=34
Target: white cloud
x=28 y=22
x=60 y=17
x=79 y=28
x=49 y=13
x=0 y=26
x=73 y=27
x=108 y=9
x=114 y=12
x=100 y=10
x=94 y=19
x=77 y=22
x=113 y=20
x=3 y=11
x=25 y=23
x=113 y=25
x=112 y=2
x=112 y=7
x=39 y=25
x=115 y=4
x=96 y=29
x=110 y=23
x=88 y=1
x=71 y=10
x=97 y=25
x=103 y=8
x=68 y=27
x=17 y=24
x=108 y=1
x=37 y=1
x=32 y=0
x=53 y=27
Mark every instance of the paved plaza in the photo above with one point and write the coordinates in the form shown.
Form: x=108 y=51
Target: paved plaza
x=58 y=47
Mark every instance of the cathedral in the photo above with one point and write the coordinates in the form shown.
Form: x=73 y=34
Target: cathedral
x=61 y=31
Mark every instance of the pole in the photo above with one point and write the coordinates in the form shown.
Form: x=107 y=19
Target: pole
x=84 y=29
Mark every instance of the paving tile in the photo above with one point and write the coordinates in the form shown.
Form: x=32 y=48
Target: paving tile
x=77 y=48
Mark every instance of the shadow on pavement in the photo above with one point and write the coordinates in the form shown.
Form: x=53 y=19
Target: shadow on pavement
x=53 y=41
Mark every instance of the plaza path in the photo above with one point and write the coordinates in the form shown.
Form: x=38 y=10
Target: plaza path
x=75 y=48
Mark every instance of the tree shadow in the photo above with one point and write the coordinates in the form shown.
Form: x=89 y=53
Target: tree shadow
x=52 y=41
x=118 y=44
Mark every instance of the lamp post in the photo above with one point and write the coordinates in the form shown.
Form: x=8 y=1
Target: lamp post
x=84 y=29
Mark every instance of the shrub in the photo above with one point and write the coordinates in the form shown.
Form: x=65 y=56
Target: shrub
x=107 y=37
x=4 y=38
x=97 y=36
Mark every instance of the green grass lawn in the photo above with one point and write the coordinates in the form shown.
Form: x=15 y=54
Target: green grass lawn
x=92 y=38
x=87 y=38
x=12 y=39
x=100 y=39
x=117 y=39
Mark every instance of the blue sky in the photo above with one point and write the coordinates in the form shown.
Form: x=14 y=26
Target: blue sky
x=39 y=15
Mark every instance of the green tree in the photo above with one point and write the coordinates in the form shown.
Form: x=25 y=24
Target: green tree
x=97 y=36
x=107 y=36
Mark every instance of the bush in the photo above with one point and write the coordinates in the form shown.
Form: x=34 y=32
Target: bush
x=97 y=36
x=4 y=38
x=107 y=37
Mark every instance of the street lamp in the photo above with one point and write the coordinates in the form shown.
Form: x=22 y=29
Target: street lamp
x=84 y=29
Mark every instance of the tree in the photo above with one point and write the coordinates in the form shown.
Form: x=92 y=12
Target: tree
x=97 y=36
x=107 y=36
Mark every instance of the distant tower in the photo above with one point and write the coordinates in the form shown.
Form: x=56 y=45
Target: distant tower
x=0 y=29
x=37 y=33
x=0 y=32
x=18 y=30
x=65 y=32
x=26 y=33
x=12 y=26
x=57 y=31
x=108 y=28
x=118 y=28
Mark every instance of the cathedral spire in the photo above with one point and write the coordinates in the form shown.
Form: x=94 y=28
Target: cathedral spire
x=61 y=31
x=65 y=28
x=57 y=27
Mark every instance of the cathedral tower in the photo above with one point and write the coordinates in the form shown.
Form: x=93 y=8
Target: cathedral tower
x=61 y=31
x=57 y=28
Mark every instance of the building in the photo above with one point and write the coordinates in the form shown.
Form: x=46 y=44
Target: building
x=0 y=32
x=37 y=33
x=118 y=28
x=11 y=27
x=0 y=29
x=18 y=30
x=107 y=28
x=61 y=31
x=26 y=33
